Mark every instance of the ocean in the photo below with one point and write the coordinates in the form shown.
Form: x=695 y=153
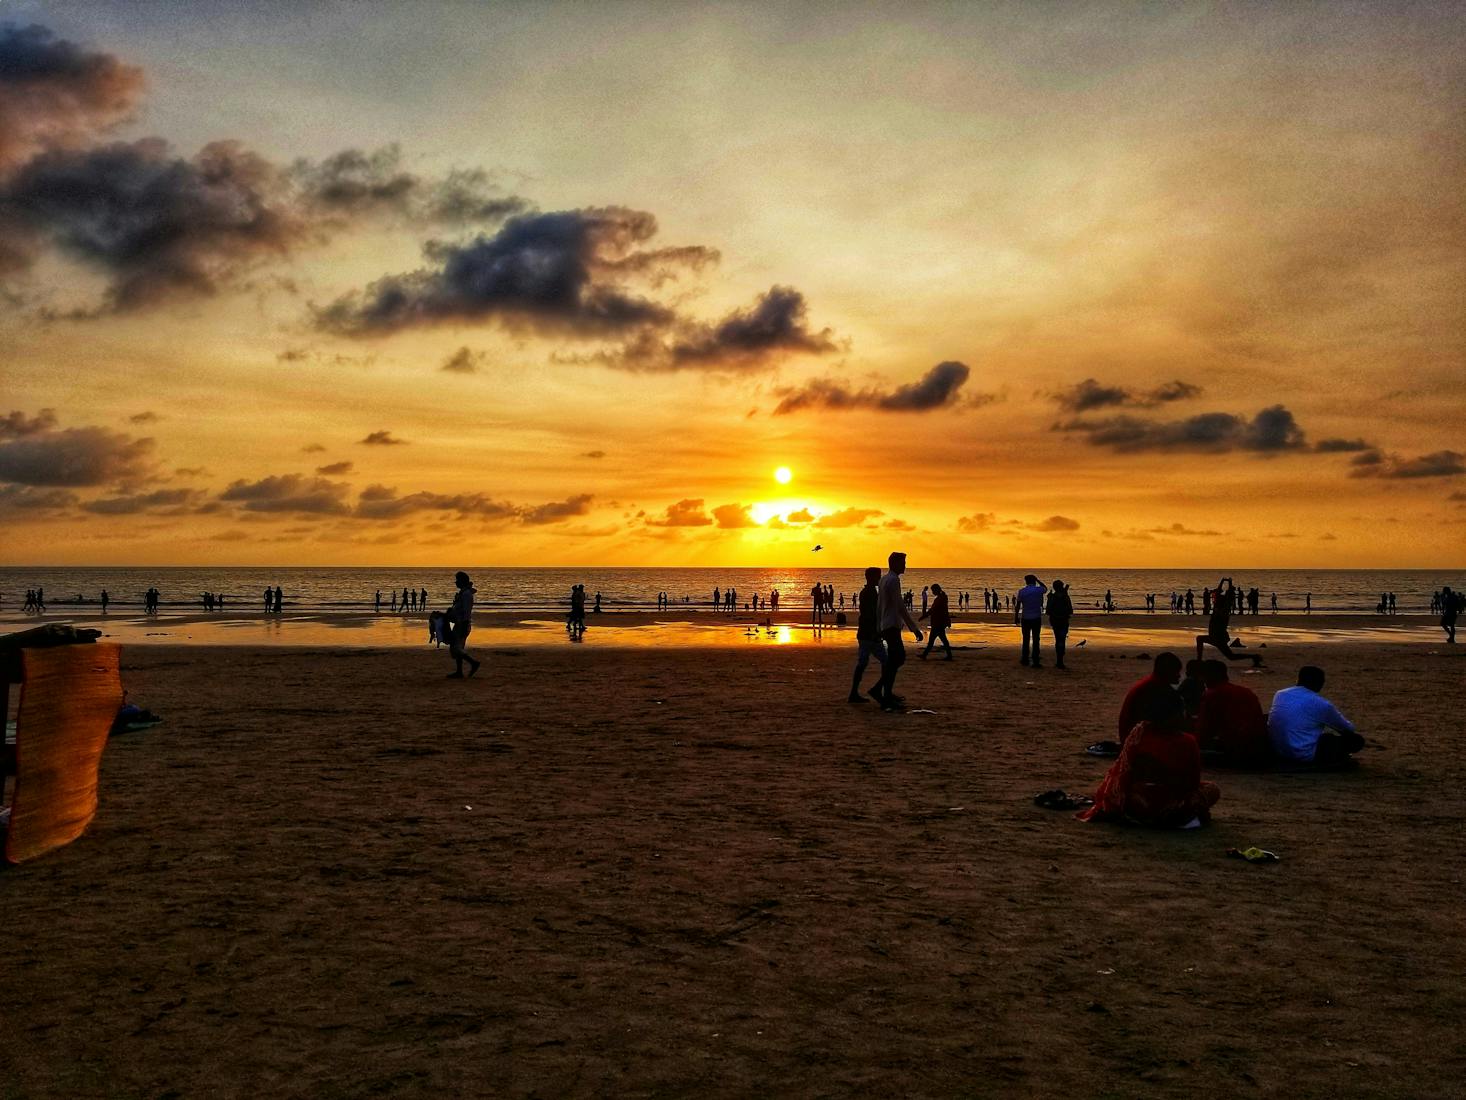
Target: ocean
x=323 y=590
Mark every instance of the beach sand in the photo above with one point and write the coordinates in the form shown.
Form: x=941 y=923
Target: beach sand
x=643 y=871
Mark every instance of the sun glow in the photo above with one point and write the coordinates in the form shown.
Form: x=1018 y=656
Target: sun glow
x=783 y=475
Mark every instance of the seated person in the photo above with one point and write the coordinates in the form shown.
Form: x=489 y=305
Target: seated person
x=1307 y=728
x=1144 y=694
x=1191 y=689
x=1231 y=721
x=1156 y=780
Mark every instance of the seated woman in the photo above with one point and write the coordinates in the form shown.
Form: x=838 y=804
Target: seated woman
x=1156 y=780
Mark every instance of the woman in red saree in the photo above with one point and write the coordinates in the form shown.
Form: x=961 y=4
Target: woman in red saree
x=1156 y=779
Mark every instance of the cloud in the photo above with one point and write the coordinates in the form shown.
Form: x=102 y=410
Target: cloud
x=312 y=448
x=144 y=418
x=1436 y=464
x=289 y=493
x=592 y=454
x=734 y=516
x=776 y=324
x=55 y=94
x=335 y=469
x=382 y=439
x=936 y=389
x=977 y=522
x=142 y=502
x=463 y=361
x=1341 y=446
x=292 y=355
x=23 y=498
x=898 y=525
x=562 y=272
x=75 y=457
x=803 y=515
x=382 y=502
x=1182 y=529
x=555 y=511
x=17 y=424
x=1091 y=394
x=355 y=183
x=1055 y=523
x=157 y=226
x=848 y=517
x=685 y=513
x=1273 y=429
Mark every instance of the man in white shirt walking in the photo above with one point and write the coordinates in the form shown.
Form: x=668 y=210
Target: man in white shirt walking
x=894 y=615
x=1306 y=727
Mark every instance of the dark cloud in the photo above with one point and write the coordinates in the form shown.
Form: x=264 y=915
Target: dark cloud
x=1183 y=530
x=848 y=517
x=292 y=355
x=382 y=439
x=936 y=389
x=978 y=521
x=898 y=525
x=335 y=469
x=734 y=516
x=17 y=424
x=1273 y=429
x=289 y=493
x=75 y=457
x=463 y=361
x=555 y=272
x=685 y=513
x=353 y=183
x=593 y=454
x=1055 y=523
x=144 y=418
x=556 y=511
x=1436 y=464
x=23 y=498
x=54 y=93
x=312 y=448
x=1091 y=394
x=1341 y=446
x=155 y=225
x=776 y=323
x=142 y=502
x=382 y=502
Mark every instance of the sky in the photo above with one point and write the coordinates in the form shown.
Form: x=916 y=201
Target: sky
x=1120 y=284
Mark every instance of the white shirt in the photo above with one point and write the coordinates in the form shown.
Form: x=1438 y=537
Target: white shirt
x=1298 y=718
x=892 y=602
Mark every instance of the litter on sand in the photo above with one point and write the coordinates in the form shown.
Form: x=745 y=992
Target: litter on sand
x=1253 y=855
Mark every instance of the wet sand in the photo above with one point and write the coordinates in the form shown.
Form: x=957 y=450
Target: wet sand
x=597 y=870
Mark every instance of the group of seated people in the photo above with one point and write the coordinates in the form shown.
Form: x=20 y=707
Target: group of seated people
x=1167 y=724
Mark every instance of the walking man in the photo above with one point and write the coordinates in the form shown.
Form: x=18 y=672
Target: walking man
x=894 y=614
x=868 y=633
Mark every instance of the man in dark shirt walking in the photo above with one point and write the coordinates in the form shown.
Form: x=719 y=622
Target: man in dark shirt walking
x=868 y=632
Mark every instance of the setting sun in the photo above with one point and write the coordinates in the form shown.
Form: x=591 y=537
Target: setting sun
x=783 y=475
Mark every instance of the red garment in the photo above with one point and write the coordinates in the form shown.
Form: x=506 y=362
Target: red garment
x=1156 y=780
x=1231 y=721
x=1136 y=707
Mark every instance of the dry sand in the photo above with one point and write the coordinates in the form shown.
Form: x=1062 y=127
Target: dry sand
x=631 y=872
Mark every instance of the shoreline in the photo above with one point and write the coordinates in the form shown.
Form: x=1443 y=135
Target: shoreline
x=691 y=628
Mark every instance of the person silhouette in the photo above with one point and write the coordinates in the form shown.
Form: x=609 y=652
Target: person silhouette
x=460 y=619
x=105 y=598
x=279 y=600
x=868 y=633
x=1451 y=605
x=941 y=618
x=1061 y=611
x=379 y=601
x=1217 y=633
x=894 y=613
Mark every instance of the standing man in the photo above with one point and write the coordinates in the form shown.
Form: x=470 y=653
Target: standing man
x=460 y=618
x=868 y=634
x=1061 y=610
x=894 y=614
x=1028 y=613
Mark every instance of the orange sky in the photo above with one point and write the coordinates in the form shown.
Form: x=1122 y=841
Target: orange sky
x=425 y=284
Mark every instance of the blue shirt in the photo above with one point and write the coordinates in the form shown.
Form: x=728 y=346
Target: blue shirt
x=1297 y=720
x=1031 y=600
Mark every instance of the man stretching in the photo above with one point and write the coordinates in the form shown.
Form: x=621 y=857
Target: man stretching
x=893 y=615
x=1028 y=612
x=1217 y=634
